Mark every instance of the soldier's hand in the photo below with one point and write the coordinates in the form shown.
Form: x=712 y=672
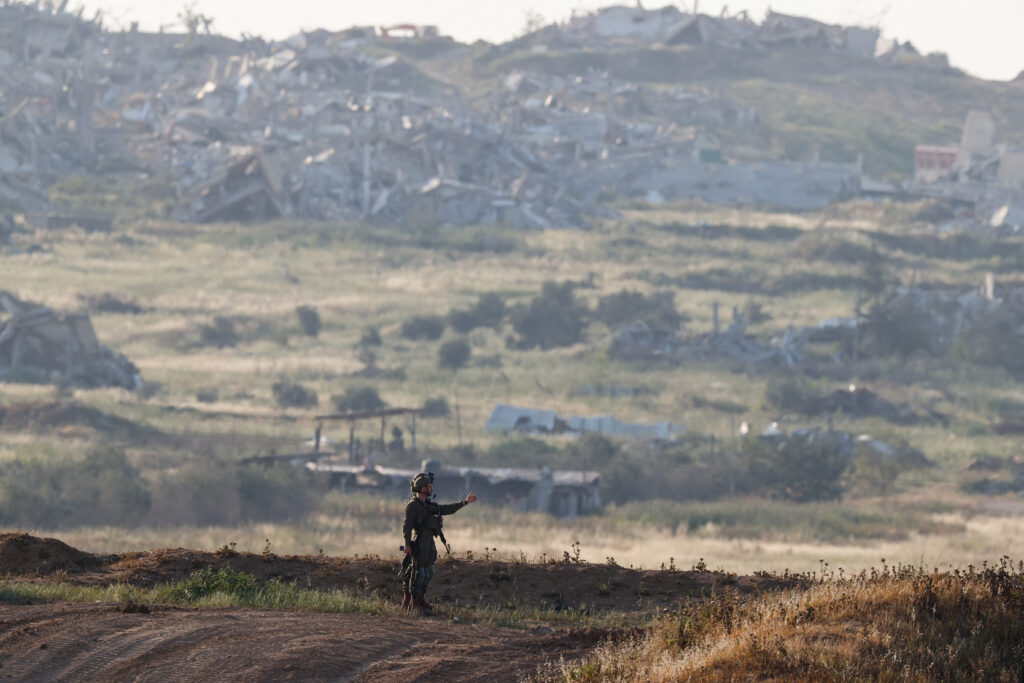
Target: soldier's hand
x=470 y=498
x=408 y=550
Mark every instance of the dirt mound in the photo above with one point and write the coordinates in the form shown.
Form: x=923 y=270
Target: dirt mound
x=25 y=554
x=156 y=642
x=562 y=585
x=60 y=415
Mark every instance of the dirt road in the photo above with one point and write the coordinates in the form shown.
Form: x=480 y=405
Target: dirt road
x=98 y=641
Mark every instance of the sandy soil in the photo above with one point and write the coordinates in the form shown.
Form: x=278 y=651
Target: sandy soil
x=99 y=641
x=151 y=642
x=558 y=585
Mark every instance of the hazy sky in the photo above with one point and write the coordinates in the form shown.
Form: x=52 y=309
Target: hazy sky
x=982 y=37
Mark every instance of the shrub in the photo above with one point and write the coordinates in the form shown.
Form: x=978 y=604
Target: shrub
x=423 y=327
x=436 y=407
x=994 y=341
x=221 y=333
x=371 y=337
x=522 y=452
x=206 y=581
x=658 y=310
x=796 y=468
x=901 y=327
x=454 y=354
x=102 y=488
x=552 y=319
x=489 y=311
x=754 y=313
x=207 y=395
x=209 y=492
x=310 y=320
x=358 y=398
x=876 y=276
x=292 y=395
x=793 y=394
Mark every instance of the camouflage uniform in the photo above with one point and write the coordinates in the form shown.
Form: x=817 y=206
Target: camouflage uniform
x=425 y=519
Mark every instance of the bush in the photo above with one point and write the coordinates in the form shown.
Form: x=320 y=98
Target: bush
x=995 y=341
x=523 y=451
x=207 y=395
x=793 y=394
x=454 y=354
x=489 y=311
x=291 y=395
x=358 y=398
x=206 y=492
x=876 y=276
x=423 y=327
x=220 y=334
x=754 y=313
x=796 y=468
x=102 y=488
x=310 y=320
x=658 y=310
x=207 y=581
x=552 y=319
x=436 y=407
x=371 y=337
x=901 y=327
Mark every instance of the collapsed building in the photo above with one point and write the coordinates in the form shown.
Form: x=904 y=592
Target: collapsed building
x=507 y=419
x=980 y=175
x=319 y=127
x=562 y=493
x=639 y=341
x=39 y=345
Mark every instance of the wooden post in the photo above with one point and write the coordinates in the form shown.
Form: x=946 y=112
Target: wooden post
x=413 y=432
x=316 y=437
x=458 y=420
x=714 y=317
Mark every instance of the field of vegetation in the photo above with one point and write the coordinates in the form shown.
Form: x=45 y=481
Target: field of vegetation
x=245 y=332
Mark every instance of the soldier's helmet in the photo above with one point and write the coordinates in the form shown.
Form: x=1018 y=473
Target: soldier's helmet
x=421 y=480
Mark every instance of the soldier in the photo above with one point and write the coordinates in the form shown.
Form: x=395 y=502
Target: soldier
x=424 y=516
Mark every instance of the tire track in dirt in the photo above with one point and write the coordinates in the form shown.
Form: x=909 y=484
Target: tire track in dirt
x=97 y=642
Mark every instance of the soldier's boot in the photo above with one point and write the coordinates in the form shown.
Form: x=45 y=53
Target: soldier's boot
x=407 y=601
x=421 y=604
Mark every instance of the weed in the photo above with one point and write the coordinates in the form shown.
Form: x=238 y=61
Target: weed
x=227 y=550
x=293 y=395
x=206 y=581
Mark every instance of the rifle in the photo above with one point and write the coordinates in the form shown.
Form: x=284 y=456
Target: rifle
x=407 y=560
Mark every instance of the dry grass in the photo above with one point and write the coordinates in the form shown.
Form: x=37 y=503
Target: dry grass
x=902 y=623
x=963 y=540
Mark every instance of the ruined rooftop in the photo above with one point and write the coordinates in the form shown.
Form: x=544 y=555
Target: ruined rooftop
x=356 y=124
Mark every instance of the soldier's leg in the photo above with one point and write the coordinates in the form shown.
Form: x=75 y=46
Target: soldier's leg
x=422 y=579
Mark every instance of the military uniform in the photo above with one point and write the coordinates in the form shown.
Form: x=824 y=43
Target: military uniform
x=423 y=518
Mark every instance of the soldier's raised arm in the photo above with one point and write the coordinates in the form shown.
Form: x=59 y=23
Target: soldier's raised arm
x=452 y=508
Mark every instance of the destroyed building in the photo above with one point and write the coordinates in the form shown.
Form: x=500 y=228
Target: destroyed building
x=638 y=341
x=318 y=127
x=982 y=176
x=39 y=345
x=507 y=419
x=562 y=493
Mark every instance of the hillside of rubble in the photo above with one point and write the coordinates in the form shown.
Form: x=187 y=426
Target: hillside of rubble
x=548 y=130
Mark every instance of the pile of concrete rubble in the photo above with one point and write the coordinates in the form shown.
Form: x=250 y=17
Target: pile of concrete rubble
x=623 y=25
x=39 y=345
x=320 y=127
x=639 y=341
